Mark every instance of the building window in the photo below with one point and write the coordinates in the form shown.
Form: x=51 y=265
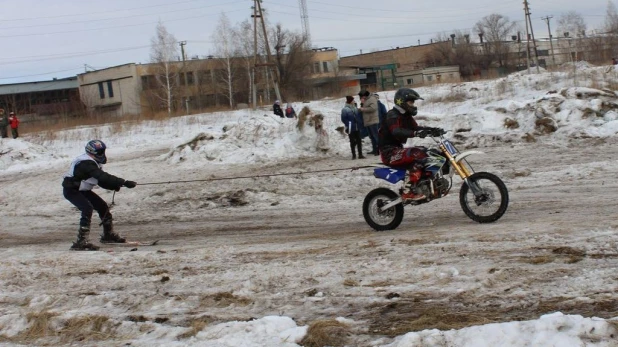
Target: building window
x=182 y=78
x=145 y=84
x=409 y=81
x=430 y=78
x=203 y=77
x=316 y=67
x=324 y=66
x=190 y=80
x=101 y=91
x=110 y=89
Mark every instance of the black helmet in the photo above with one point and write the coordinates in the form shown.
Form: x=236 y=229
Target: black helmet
x=97 y=149
x=404 y=95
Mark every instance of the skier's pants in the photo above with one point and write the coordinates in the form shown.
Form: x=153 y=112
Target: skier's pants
x=86 y=202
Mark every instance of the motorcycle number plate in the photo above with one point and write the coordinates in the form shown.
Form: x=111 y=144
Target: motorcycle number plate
x=450 y=148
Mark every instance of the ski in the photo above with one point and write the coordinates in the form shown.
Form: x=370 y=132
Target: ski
x=132 y=243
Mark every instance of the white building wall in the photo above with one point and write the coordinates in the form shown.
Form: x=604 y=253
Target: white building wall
x=113 y=90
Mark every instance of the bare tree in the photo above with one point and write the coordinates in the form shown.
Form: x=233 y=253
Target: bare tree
x=573 y=23
x=163 y=50
x=223 y=38
x=293 y=60
x=244 y=47
x=495 y=29
x=611 y=18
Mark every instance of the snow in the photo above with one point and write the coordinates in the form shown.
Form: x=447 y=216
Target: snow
x=254 y=261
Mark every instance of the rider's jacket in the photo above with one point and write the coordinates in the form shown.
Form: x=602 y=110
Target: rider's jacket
x=396 y=128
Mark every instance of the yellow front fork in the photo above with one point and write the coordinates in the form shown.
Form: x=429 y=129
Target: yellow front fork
x=461 y=169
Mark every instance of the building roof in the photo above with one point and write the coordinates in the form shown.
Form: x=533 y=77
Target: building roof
x=39 y=86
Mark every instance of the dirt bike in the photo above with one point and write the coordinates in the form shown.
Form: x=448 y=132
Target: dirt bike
x=483 y=196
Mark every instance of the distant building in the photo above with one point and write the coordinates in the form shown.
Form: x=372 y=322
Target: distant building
x=112 y=91
x=398 y=67
x=41 y=98
x=328 y=79
x=198 y=84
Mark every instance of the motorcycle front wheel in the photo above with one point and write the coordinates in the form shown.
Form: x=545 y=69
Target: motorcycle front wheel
x=491 y=201
x=382 y=220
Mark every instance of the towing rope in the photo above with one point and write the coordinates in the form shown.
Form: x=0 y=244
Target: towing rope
x=258 y=176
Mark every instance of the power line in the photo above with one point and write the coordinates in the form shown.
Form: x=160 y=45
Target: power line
x=70 y=55
x=90 y=13
x=389 y=18
x=40 y=74
x=114 y=27
x=441 y=10
x=116 y=18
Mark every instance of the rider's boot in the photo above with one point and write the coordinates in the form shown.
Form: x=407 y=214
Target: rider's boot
x=410 y=190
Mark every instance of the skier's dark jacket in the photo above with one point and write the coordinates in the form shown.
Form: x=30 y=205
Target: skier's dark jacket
x=87 y=169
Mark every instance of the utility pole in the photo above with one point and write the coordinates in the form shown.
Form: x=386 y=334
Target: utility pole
x=536 y=53
x=255 y=55
x=269 y=61
x=551 y=44
x=182 y=49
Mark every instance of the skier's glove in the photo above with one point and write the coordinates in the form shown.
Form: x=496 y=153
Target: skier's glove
x=129 y=184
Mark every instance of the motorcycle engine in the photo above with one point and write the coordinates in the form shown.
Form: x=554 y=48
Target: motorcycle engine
x=441 y=185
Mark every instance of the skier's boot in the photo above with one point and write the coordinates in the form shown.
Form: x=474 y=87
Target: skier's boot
x=109 y=236
x=82 y=243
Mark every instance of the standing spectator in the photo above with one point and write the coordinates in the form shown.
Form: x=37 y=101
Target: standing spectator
x=14 y=122
x=277 y=109
x=4 y=122
x=381 y=109
x=289 y=111
x=350 y=119
x=369 y=108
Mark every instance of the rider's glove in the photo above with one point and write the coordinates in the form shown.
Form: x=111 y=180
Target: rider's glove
x=421 y=133
x=437 y=131
x=129 y=184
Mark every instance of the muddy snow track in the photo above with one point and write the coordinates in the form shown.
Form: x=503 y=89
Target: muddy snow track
x=556 y=249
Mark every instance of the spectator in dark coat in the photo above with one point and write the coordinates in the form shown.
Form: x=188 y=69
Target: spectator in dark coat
x=351 y=121
x=290 y=112
x=277 y=109
x=4 y=122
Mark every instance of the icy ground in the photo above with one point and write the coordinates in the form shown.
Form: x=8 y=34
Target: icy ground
x=257 y=261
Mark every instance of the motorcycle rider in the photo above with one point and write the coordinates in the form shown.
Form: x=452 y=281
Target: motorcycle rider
x=397 y=127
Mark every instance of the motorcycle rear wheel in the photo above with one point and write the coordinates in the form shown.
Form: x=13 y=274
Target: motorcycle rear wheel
x=488 y=206
x=382 y=220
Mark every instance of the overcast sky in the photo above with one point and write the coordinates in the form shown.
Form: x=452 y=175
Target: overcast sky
x=42 y=39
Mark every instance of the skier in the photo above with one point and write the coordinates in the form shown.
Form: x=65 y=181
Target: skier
x=84 y=174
